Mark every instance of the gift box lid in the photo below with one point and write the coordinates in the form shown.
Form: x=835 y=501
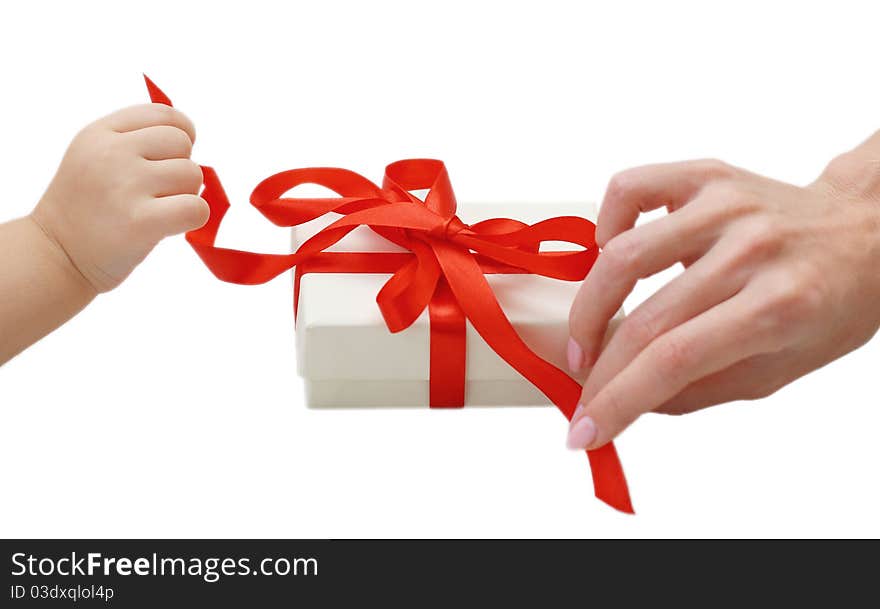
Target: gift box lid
x=340 y=332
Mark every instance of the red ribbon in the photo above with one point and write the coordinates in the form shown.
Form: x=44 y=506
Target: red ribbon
x=443 y=269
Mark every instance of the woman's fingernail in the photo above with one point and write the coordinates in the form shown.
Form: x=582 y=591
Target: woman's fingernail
x=575 y=355
x=581 y=434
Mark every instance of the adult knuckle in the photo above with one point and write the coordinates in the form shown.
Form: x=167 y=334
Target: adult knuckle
x=675 y=410
x=721 y=193
x=759 y=391
x=762 y=385
x=795 y=299
x=577 y=320
x=854 y=172
x=621 y=253
x=640 y=327
x=804 y=293
x=580 y=309
x=674 y=355
x=769 y=317
x=732 y=199
x=762 y=237
x=737 y=260
x=841 y=165
x=621 y=183
x=714 y=168
x=614 y=411
x=768 y=322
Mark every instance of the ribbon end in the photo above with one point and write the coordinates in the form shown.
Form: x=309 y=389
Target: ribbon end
x=620 y=502
x=609 y=482
x=157 y=96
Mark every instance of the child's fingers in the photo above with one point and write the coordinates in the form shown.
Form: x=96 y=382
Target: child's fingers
x=161 y=142
x=166 y=216
x=149 y=115
x=172 y=177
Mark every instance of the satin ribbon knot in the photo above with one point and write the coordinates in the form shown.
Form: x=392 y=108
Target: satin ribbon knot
x=448 y=229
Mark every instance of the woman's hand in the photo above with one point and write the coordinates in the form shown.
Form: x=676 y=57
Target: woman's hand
x=779 y=280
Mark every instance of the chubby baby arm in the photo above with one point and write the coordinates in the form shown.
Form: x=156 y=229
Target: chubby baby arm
x=125 y=183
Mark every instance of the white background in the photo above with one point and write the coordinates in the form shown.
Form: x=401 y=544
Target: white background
x=171 y=406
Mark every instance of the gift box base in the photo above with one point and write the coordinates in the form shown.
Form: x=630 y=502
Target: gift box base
x=414 y=393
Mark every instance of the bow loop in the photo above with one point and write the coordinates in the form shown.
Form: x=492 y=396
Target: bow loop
x=407 y=175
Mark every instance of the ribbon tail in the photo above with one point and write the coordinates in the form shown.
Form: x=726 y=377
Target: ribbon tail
x=448 y=349
x=157 y=96
x=234 y=266
x=609 y=482
x=479 y=304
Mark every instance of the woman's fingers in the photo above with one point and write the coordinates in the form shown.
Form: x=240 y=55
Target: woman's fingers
x=633 y=255
x=752 y=378
x=763 y=301
x=641 y=189
x=712 y=341
x=630 y=254
x=712 y=279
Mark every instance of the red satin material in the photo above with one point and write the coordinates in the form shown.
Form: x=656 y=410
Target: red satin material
x=448 y=349
x=443 y=271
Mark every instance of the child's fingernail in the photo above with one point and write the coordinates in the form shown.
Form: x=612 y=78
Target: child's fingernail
x=582 y=433
x=575 y=355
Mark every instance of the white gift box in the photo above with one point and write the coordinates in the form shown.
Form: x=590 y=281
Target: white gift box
x=349 y=358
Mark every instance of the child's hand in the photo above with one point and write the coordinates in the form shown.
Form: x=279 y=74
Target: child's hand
x=125 y=183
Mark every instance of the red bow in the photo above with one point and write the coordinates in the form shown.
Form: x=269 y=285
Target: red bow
x=444 y=270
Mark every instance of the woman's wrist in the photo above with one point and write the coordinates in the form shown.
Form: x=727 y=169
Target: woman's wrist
x=853 y=179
